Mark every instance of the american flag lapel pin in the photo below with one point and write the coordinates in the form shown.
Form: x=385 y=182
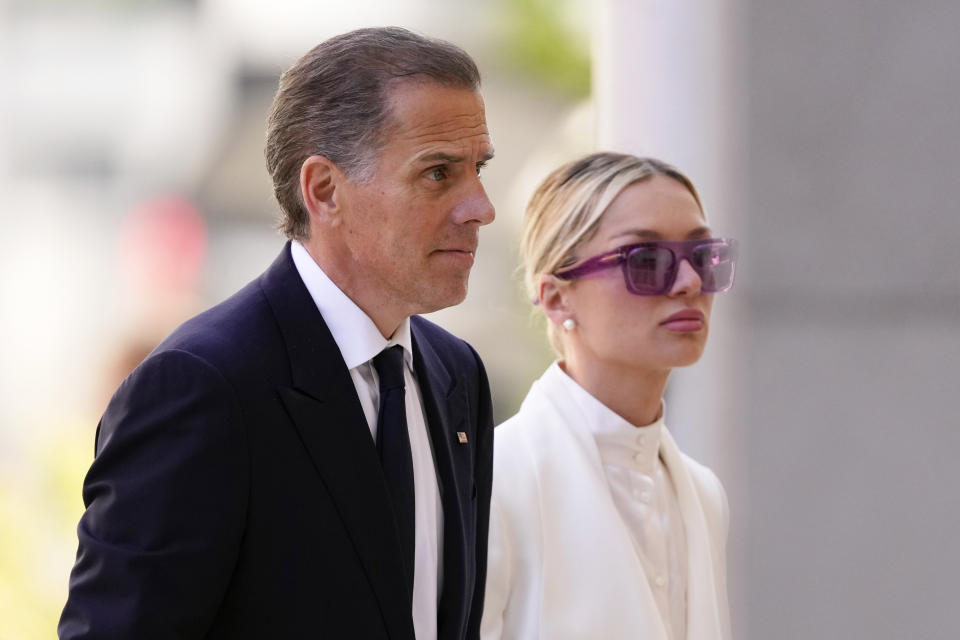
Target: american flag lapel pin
x=462 y=437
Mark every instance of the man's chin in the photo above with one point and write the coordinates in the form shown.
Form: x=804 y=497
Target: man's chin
x=442 y=298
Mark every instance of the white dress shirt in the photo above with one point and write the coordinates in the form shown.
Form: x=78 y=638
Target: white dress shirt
x=359 y=342
x=646 y=499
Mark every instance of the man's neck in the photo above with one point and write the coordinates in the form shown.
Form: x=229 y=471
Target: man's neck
x=370 y=301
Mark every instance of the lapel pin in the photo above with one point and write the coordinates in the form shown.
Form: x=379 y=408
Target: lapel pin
x=462 y=437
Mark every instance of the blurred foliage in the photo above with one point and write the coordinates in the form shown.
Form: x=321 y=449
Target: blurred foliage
x=40 y=505
x=540 y=41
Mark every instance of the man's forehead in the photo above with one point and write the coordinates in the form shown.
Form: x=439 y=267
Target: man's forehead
x=432 y=118
x=438 y=107
x=444 y=149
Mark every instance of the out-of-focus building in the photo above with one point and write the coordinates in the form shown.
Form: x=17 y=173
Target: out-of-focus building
x=133 y=193
x=823 y=135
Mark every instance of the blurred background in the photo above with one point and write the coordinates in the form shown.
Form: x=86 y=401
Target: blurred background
x=825 y=135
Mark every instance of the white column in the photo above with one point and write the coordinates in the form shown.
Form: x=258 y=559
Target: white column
x=665 y=86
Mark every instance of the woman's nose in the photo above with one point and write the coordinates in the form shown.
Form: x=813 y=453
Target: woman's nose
x=688 y=282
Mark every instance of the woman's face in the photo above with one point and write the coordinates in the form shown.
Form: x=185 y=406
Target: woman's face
x=615 y=327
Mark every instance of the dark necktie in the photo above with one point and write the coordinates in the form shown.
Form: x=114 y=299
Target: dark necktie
x=393 y=445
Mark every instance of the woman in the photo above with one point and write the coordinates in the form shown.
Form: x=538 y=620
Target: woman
x=600 y=527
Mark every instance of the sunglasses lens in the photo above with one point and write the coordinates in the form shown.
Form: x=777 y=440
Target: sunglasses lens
x=714 y=263
x=649 y=269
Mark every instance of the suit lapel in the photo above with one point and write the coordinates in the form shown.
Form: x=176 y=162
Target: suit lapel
x=704 y=618
x=322 y=402
x=445 y=406
x=576 y=501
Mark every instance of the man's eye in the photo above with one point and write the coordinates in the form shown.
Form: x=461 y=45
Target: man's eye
x=480 y=166
x=437 y=174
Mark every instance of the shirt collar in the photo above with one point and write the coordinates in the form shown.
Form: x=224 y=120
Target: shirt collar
x=618 y=441
x=356 y=335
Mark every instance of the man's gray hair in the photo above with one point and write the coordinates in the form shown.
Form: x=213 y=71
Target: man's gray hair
x=334 y=102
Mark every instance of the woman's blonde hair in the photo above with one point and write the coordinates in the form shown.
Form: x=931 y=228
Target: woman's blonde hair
x=566 y=209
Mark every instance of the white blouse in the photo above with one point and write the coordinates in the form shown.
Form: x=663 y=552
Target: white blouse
x=646 y=499
x=599 y=529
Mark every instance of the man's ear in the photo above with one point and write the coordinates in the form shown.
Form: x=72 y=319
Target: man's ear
x=552 y=296
x=320 y=180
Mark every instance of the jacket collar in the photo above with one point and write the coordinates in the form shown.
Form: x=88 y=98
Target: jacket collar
x=445 y=406
x=576 y=501
x=358 y=338
x=323 y=405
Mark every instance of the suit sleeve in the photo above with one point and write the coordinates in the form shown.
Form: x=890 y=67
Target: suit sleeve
x=484 y=483
x=165 y=504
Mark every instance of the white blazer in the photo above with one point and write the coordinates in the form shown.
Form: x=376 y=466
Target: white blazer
x=562 y=563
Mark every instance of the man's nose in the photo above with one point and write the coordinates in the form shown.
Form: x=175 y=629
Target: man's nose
x=475 y=206
x=688 y=282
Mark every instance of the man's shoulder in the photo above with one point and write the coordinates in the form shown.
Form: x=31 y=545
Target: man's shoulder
x=237 y=324
x=237 y=336
x=433 y=331
x=222 y=322
x=442 y=341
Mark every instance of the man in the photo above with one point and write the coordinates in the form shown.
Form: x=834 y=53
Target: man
x=305 y=459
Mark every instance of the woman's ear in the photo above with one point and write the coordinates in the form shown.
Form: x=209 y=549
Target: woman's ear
x=319 y=182
x=553 y=297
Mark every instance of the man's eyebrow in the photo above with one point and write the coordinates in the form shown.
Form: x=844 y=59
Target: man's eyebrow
x=440 y=156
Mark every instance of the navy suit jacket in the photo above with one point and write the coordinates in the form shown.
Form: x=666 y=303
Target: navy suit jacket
x=236 y=491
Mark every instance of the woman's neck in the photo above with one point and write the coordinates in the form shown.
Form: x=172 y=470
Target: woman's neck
x=632 y=394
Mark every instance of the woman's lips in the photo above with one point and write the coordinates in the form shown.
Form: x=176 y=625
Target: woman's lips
x=686 y=321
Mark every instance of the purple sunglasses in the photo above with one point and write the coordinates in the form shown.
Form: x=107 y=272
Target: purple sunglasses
x=650 y=268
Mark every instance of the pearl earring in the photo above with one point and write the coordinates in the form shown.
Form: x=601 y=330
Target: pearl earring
x=569 y=324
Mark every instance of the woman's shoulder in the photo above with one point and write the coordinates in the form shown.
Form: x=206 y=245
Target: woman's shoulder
x=516 y=451
x=703 y=476
x=534 y=412
x=515 y=483
x=515 y=428
x=713 y=497
x=511 y=443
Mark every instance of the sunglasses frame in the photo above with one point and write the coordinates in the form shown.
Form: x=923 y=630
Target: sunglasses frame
x=680 y=250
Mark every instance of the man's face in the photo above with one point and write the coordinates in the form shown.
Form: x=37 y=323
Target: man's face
x=410 y=233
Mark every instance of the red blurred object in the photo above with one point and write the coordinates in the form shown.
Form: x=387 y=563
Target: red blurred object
x=164 y=244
